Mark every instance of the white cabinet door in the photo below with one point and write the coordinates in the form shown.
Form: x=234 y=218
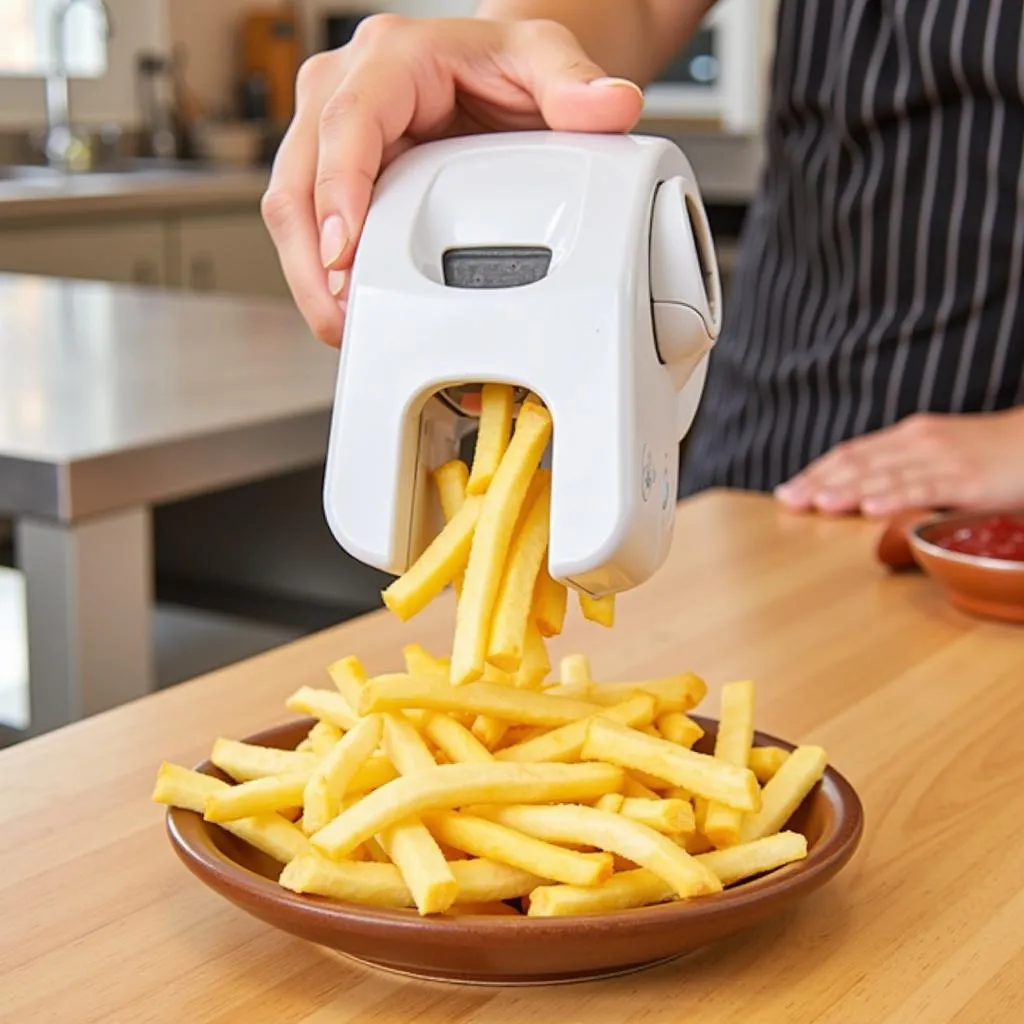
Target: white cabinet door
x=228 y=252
x=102 y=250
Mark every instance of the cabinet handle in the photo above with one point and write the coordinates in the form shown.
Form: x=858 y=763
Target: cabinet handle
x=202 y=273
x=144 y=272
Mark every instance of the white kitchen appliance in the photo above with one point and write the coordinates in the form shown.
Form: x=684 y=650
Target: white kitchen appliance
x=579 y=267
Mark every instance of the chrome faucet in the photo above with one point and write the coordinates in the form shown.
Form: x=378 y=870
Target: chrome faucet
x=59 y=138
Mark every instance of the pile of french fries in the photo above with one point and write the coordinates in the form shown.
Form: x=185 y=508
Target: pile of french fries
x=475 y=783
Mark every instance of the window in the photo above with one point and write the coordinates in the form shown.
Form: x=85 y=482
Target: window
x=26 y=28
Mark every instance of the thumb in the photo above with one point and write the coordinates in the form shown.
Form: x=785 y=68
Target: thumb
x=570 y=90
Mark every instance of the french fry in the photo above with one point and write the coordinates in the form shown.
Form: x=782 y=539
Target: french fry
x=635 y=788
x=442 y=560
x=397 y=692
x=677 y=727
x=498 y=514
x=450 y=480
x=422 y=865
x=614 y=833
x=536 y=664
x=419 y=663
x=515 y=594
x=598 y=609
x=270 y=833
x=575 y=669
x=484 y=838
x=672 y=817
x=675 y=693
x=766 y=761
x=377 y=884
x=332 y=777
x=640 y=887
x=565 y=743
x=550 y=603
x=703 y=775
x=784 y=792
x=492 y=439
x=348 y=676
x=327 y=705
x=453 y=738
x=732 y=745
x=373 y=772
x=322 y=737
x=458 y=785
x=247 y=761
x=250 y=799
x=610 y=802
x=404 y=747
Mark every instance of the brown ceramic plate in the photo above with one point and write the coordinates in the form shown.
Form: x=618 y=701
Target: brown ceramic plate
x=990 y=587
x=501 y=950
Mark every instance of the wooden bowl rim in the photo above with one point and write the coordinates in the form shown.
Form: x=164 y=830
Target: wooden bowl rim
x=193 y=840
x=921 y=545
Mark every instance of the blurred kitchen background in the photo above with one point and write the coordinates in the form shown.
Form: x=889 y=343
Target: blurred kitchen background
x=135 y=141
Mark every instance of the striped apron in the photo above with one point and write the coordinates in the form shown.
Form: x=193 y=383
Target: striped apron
x=881 y=268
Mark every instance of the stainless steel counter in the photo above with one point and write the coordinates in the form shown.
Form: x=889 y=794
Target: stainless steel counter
x=114 y=399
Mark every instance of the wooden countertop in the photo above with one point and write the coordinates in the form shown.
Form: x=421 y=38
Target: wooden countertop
x=921 y=707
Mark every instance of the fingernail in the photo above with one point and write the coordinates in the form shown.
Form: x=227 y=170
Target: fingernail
x=333 y=239
x=336 y=281
x=615 y=83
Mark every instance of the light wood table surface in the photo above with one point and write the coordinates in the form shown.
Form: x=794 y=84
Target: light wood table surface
x=920 y=707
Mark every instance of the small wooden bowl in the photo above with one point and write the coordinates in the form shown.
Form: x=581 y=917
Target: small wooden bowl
x=499 y=950
x=989 y=587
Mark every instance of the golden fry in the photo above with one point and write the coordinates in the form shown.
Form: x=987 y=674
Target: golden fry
x=598 y=609
x=327 y=705
x=492 y=439
x=565 y=743
x=785 y=791
x=677 y=727
x=333 y=776
x=269 y=833
x=616 y=834
x=450 y=481
x=705 y=776
x=498 y=515
x=675 y=693
x=483 y=838
x=397 y=692
x=419 y=859
x=261 y=796
x=348 y=676
x=550 y=603
x=247 y=761
x=458 y=785
x=766 y=761
x=404 y=747
x=515 y=594
x=442 y=560
x=732 y=745
x=536 y=664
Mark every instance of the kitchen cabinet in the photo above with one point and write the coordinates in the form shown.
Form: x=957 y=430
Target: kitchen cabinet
x=228 y=252
x=129 y=250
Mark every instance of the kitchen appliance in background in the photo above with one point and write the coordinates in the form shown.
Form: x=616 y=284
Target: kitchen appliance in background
x=270 y=57
x=719 y=78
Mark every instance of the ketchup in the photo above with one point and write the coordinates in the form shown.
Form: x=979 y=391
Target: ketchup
x=998 y=536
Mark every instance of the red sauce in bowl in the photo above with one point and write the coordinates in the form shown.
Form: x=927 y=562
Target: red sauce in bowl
x=998 y=536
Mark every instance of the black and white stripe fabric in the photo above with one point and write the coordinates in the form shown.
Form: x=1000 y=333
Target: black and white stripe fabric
x=882 y=264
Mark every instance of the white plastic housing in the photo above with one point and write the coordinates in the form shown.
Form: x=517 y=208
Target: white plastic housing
x=582 y=338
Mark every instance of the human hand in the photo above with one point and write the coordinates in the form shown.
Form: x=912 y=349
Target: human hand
x=925 y=461
x=402 y=81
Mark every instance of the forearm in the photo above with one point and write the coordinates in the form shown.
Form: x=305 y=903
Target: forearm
x=633 y=39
